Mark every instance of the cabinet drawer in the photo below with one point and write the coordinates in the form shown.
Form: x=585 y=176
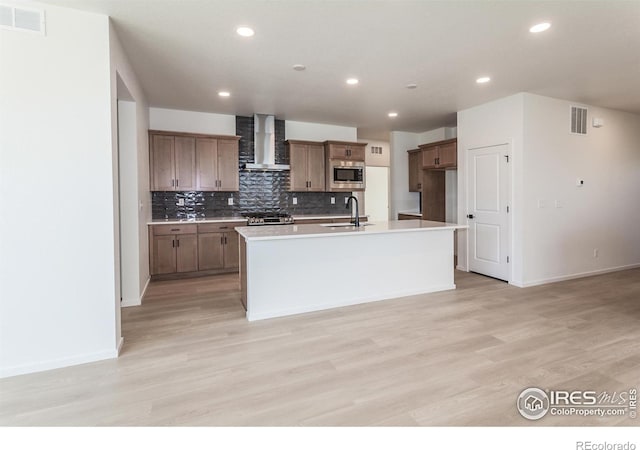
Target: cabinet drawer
x=219 y=227
x=161 y=230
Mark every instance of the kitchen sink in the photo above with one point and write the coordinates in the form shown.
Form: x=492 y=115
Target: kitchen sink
x=344 y=224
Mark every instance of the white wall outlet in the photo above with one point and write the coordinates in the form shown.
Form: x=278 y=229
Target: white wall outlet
x=579 y=182
x=180 y=202
x=333 y=200
x=542 y=204
x=558 y=204
x=294 y=200
x=596 y=252
x=230 y=201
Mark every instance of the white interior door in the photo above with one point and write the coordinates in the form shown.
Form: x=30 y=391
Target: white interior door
x=376 y=193
x=488 y=211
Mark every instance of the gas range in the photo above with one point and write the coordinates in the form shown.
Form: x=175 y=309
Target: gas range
x=269 y=219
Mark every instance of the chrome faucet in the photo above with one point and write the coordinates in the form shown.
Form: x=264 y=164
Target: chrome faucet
x=355 y=221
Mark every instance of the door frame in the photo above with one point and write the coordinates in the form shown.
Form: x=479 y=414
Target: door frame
x=510 y=199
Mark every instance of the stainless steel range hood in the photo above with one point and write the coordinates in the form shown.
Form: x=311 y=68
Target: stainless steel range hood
x=264 y=145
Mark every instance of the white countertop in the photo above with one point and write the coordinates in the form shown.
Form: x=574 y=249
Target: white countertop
x=239 y=219
x=411 y=213
x=273 y=232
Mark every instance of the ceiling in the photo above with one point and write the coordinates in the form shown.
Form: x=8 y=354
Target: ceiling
x=184 y=52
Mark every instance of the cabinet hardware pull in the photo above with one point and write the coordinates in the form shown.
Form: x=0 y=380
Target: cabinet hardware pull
x=225 y=240
x=177 y=182
x=173 y=182
x=173 y=243
x=223 y=228
x=221 y=240
x=175 y=229
x=178 y=243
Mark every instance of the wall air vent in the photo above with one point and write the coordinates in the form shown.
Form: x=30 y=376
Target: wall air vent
x=22 y=19
x=578 y=120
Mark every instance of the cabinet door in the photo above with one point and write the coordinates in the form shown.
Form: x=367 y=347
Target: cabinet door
x=231 y=250
x=162 y=163
x=315 y=168
x=356 y=153
x=206 y=164
x=429 y=156
x=164 y=254
x=210 y=251
x=185 y=163
x=415 y=171
x=186 y=252
x=298 y=160
x=228 y=176
x=447 y=155
x=337 y=151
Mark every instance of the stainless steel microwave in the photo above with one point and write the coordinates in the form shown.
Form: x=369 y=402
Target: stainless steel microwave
x=346 y=175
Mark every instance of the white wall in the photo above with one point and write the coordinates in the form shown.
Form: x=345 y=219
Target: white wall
x=57 y=278
x=134 y=167
x=192 y=121
x=377 y=159
x=497 y=122
x=400 y=197
x=552 y=243
x=308 y=131
x=603 y=214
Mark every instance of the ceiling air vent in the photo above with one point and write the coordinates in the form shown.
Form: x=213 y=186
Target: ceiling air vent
x=578 y=120
x=21 y=19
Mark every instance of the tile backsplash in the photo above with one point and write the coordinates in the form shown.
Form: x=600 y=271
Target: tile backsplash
x=259 y=191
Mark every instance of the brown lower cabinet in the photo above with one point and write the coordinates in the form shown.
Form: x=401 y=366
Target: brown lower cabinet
x=218 y=246
x=174 y=249
x=191 y=249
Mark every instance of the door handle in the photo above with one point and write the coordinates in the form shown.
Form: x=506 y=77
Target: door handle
x=469 y=216
x=225 y=240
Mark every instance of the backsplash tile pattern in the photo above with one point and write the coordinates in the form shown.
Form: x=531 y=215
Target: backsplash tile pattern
x=259 y=191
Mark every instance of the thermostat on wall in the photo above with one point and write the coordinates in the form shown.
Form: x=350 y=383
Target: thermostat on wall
x=597 y=122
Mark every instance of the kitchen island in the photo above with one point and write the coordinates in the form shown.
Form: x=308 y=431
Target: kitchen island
x=291 y=269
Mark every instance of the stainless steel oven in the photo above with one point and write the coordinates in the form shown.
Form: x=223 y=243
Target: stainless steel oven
x=346 y=175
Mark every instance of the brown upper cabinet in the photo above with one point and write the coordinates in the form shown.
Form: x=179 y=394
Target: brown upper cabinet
x=217 y=164
x=189 y=162
x=415 y=170
x=307 y=162
x=352 y=151
x=440 y=155
x=173 y=163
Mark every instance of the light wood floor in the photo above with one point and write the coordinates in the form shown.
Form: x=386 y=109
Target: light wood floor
x=452 y=358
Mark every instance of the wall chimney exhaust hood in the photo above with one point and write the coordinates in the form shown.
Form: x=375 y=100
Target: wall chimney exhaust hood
x=264 y=145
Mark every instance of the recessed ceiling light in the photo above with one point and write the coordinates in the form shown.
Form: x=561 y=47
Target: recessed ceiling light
x=411 y=86
x=299 y=67
x=224 y=94
x=245 y=31
x=482 y=80
x=544 y=26
x=352 y=81
x=393 y=114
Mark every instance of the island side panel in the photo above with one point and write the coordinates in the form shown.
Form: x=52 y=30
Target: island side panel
x=315 y=273
x=243 y=272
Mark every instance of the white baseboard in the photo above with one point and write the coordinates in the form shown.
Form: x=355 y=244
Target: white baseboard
x=137 y=302
x=462 y=268
x=120 y=343
x=57 y=363
x=576 y=275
